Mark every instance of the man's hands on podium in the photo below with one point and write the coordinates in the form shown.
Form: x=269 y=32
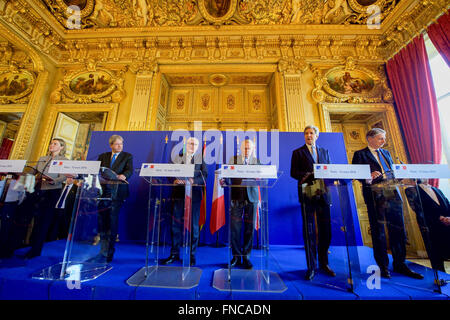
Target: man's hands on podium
x=181 y=181
x=121 y=177
x=375 y=175
x=445 y=220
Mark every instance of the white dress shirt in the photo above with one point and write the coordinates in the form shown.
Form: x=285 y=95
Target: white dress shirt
x=375 y=154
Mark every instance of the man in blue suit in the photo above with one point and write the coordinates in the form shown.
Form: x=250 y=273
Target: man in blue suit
x=302 y=163
x=384 y=206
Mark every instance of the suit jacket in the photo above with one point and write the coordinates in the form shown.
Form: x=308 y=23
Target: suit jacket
x=241 y=194
x=302 y=163
x=364 y=156
x=200 y=170
x=122 y=165
x=43 y=165
x=432 y=211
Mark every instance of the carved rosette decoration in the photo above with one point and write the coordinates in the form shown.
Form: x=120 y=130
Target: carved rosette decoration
x=292 y=66
x=16 y=85
x=90 y=85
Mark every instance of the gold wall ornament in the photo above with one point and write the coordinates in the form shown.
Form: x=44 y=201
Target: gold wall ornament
x=292 y=66
x=90 y=84
x=217 y=11
x=16 y=85
x=218 y=80
x=355 y=85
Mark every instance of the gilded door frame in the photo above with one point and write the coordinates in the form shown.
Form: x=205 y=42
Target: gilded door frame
x=15 y=108
x=387 y=109
x=416 y=242
x=52 y=114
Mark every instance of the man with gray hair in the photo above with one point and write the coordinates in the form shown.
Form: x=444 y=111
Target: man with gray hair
x=383 y=206
x=302 y=167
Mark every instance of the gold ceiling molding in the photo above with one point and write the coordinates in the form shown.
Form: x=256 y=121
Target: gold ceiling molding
x=350 y=83
x=292 y=66
x=176 y=30
x=90 y=84
x=169 y=13
x=410 y=24
x=18 y=15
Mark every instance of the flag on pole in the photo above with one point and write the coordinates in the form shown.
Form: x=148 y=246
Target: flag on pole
x=202 y=219
x=258 y=210
x=217 y=220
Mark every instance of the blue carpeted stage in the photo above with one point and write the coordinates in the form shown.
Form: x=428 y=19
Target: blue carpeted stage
x=288 y=261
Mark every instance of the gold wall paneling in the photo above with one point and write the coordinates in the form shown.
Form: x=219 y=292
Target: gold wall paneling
x=50 y=119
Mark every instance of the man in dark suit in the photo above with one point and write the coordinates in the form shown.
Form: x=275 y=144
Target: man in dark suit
x=108 y=212
x=384 y=205
x=316 y=204
x=178 y=194
x=244 y=203
x=432 y=210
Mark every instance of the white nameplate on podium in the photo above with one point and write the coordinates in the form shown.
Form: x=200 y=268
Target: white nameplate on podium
x=10 y=166
x=421 y=171
x=249 y=171
x=167 y=170
x=74 y=167
x=342 y=171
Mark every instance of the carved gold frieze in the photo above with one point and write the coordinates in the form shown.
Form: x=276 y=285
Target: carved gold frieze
x=90 y=84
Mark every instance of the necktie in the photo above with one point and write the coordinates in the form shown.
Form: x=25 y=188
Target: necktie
x=113 y=159
x=246 y=161
x=314 y=153
x=61 y=199
x=383 y=163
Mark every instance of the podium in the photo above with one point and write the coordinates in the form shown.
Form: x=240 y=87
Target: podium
x=396 y=227
x=258 y=180
x=17 y=187
x=82 y=260
x=170 y=204
x=329 y=232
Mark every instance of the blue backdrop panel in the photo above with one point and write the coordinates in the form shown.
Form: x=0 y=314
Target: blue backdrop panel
x=284 y=209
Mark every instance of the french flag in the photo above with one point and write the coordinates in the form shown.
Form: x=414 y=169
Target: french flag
x=217 y=220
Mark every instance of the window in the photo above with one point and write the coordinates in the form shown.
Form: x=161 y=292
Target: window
x=441 y=80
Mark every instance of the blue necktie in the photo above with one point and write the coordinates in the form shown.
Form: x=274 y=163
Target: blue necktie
x=383 y=163
x=113 y=159
x=63 y=197
x=314 y=153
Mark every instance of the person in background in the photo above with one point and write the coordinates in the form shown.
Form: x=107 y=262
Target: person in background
x=433 y=216
x=14 y=196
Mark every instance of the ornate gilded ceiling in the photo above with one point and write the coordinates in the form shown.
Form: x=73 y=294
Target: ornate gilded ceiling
x=144 y=13
x=145 y=33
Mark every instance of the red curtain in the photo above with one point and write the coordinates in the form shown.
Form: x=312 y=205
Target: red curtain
x=5 y=148
x=410 y=77
x=439 y=33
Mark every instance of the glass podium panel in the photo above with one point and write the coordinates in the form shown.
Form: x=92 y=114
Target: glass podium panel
x=18 y=196
x=402 y=234
x=172 y=217
x=94 y=204
x=248 y=268
x=328 y=233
